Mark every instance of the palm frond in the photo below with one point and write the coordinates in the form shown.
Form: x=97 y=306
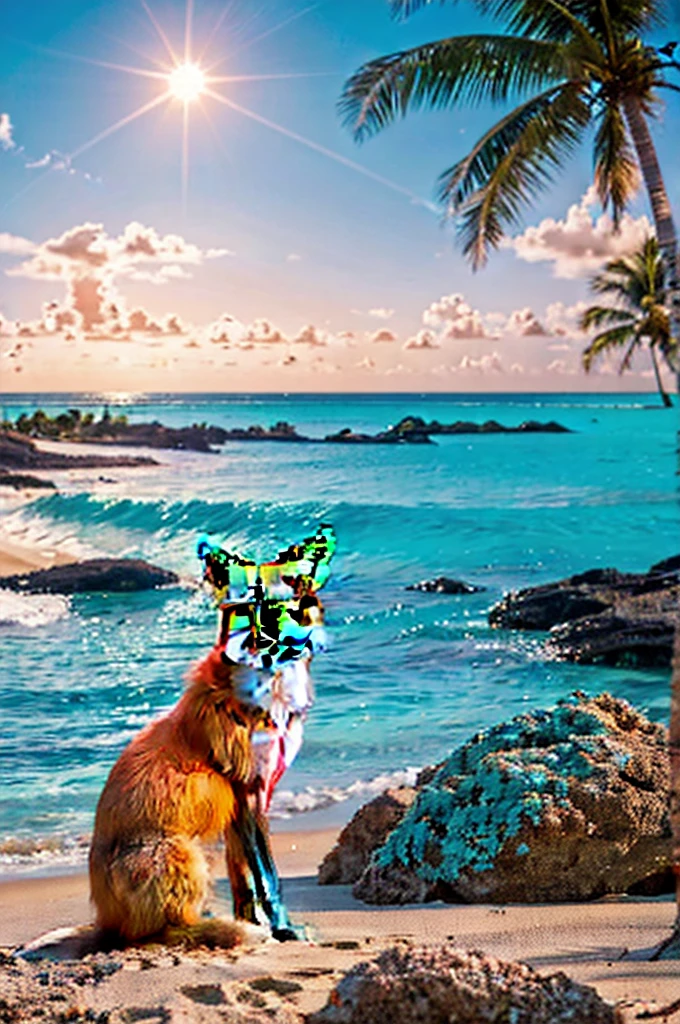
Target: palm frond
x=510 y=165
x=616 y=337
x=464 y=69
x=603 y=316
x=617 y=175
x=628 y=355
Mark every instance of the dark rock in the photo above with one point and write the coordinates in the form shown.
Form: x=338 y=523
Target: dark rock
x=445 y=585
x=638 y=633
x=440 y=985
x=368 y=829
x=602 y=615
x=19 y=452
x=21 y=480
x=566 y=804
x=115 y=575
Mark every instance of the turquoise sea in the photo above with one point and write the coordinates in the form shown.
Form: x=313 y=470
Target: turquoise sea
x=408 y=675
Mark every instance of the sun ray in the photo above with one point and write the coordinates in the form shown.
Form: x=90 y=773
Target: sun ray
x=140 y=53
x=185 y=157
x=128 y=69
x=215 y=29
x=161 y=34
x=188 y=18
x=128 y=119
x=268 y=32
x=318 y=148
x=221 y=79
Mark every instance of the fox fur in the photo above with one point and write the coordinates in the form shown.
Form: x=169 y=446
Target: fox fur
x=180 y=781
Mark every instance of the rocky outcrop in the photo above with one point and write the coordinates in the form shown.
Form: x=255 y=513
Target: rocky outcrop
x=18 y=453
x=601 y=616
x=439 y=985
x=415 y=424
x=19 y=481
x=113 y=575
x=566 y=804
x=368 y=829
x=445 y=585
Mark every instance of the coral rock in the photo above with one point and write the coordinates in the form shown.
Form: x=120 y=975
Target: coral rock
x=567 y=804
x=368 y=829
x=442 y=985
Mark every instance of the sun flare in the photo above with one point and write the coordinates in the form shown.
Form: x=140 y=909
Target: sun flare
x=187 y=82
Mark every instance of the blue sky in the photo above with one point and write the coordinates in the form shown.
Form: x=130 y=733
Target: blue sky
x=311 y=242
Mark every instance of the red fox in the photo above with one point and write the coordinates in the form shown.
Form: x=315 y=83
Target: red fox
x=180 y=780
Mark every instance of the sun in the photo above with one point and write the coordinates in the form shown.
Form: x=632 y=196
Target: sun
x=186 y=83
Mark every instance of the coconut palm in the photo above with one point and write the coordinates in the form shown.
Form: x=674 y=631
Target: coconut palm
x=572 y=67
x=638 y=317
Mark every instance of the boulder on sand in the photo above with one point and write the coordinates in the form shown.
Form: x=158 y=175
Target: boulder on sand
x=368 y=829
x=115 y=575
x=439 y=985
x=566 y=804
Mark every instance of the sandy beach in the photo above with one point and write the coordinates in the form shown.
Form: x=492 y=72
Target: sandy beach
x=603 y=943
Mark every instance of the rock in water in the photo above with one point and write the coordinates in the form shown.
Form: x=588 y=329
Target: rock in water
x=368 y=829
x=445 y=585
x=566 y=804
x=115 y=575
x=441 y=986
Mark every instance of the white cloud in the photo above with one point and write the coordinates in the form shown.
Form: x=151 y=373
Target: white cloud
x=525 y=323
x=293 y=257
x=311 y=336
x=366 y=364
x=89 y=261
x=424 y=339
x=491 y=362
x=581 y=243
x=382 y=335
x=561 y=367
x=14 y=245
x=455 y=317
x=263 y=332
x=380 y=313
x=6 y=132
x=563 y=320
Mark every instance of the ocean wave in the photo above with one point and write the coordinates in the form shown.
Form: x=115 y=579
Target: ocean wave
x=31 y=610
x=45 y=854
x=287 y=803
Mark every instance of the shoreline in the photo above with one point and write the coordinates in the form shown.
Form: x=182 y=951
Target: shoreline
x=602 y=943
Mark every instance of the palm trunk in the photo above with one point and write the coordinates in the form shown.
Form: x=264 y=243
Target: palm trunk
x=665 y=397
x=668 y=246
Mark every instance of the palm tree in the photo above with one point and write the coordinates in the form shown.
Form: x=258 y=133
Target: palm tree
x=638 y=318
x=573 y=65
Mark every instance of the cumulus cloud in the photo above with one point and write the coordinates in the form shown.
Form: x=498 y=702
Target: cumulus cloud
x=366 y=364
x=381 y=313
x=312 y=336
x=582 y=242
x=382 y=335
x=561 y=367
x=14 y=245
x=490 y=362
x=424 y=339
x=563 y=320
x=525 y=323
x=6 y=132
x=89 y=262
x=455 y=318
x=263 y=332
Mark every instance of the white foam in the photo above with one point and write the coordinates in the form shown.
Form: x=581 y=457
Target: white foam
x=31 y=610
x=286 y=803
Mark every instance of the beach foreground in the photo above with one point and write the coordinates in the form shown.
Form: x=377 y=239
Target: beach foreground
x=603 y=944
